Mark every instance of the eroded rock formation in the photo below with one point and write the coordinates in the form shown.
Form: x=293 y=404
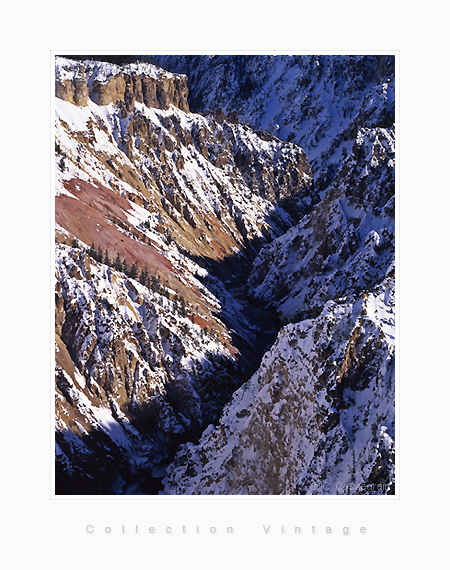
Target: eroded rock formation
x=105 y=83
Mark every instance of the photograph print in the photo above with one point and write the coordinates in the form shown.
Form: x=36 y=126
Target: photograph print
x=224 y=274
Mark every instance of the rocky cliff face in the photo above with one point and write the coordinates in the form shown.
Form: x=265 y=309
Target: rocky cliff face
x=104 y=83
x=131 y=370
x=214 y=184
x=185 y=240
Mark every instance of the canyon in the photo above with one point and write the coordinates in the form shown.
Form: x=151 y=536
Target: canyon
x=224 y=275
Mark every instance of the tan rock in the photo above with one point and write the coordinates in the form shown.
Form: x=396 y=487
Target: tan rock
x=109 y=91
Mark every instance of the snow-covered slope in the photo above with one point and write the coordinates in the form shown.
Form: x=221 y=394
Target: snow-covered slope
x=319 y=102
x=316 y=418
x=345 y=245
x=214 y=184
x=131 y=370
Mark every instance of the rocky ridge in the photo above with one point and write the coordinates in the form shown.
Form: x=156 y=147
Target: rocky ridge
x=316 y=418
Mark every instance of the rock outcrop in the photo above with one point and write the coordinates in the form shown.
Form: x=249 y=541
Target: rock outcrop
x=105 y=83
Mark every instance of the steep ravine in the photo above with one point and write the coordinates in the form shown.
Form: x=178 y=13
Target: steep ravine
x=260 y=331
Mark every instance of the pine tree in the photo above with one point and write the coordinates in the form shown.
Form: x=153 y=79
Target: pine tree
x=107 y=260
x=133 y=270
x=99 y=255
x=118 y=263
x=143 y=278
x=182 y=306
